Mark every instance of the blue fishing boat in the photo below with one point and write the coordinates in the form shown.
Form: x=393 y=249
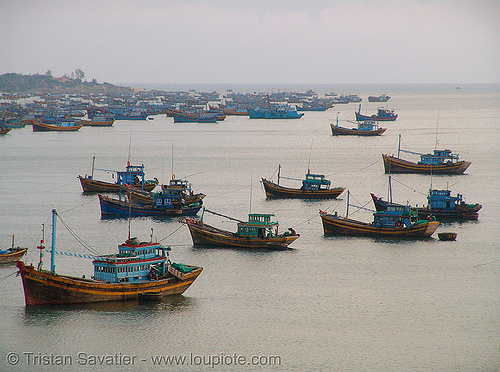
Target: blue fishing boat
x=441 y=205
x=383 y=114
x=397 y=221
x=170 y=202
x=314 y=186
x=381 y=98
x=195 y=117
x=259 y=232
x=133 y=176
x=282 y=112
x=140 y=270
x=438 y=162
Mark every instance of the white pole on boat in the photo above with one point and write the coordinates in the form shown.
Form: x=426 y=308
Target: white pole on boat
x=93 y=163
x=347 y=212
x=53 y=253
x=41 y=247
x=399 y=145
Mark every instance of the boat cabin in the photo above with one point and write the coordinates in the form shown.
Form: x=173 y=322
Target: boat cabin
x=394 y=216
x=315 y=182
x=134 y=175
x=367 y=126
x=258 y=226
x=385 y=113
x=438 y=157
x=442 y=199
x=133 y=262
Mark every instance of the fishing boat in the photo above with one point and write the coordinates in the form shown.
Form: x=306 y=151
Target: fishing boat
x=61 y=126
x=314 y=186
x=166 y=204
x=439 y=162
x=441 y=204
x=383 y=114
x=195 y=117
x=138 y=270
x=283 y=112
x=132 y=176
x=397 y=221
x=181 y=187
x=99 y=120
x=258 y=232
x=364 y=128
x=381 y=98
x=12 y=254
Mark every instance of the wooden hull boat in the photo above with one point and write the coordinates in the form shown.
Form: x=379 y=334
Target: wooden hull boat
x=43 y=287
x=460 y=212
x=92 y=123
x=43 y=127
x=393 y=164
x=274 y=190
x=144 y=197
x=12 y=255
x=138 y=268
x=120 y=208
x=340 y=131
x=336 y=225
x=91 y=185
x=206 y=235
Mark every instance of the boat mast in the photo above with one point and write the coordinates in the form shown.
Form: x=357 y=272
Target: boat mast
x=309 y=161
x=250 y=193
x=389 y=196
x=41 y=247
x=93 y=163
x=347 y=212
x=53 y=252
x=437 y=126
x=279 y=170
x=399 y=144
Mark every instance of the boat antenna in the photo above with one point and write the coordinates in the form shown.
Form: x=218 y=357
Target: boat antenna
x=129 y=145
x=309 y=161
x=437 y=126
x=251 y=193
x=172 y=151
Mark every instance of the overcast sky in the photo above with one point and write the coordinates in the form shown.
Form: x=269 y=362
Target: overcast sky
x=254 y=41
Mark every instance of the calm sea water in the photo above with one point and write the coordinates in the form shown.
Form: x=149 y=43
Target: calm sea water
x=330 y=303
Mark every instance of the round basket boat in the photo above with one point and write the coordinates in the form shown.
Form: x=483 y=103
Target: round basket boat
x=447 y=236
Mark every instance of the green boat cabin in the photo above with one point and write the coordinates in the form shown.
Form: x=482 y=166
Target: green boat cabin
x=258 y=226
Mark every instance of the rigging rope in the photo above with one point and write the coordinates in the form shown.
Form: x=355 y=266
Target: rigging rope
x=7 y=276
x=172 y=233
x=78 y=239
